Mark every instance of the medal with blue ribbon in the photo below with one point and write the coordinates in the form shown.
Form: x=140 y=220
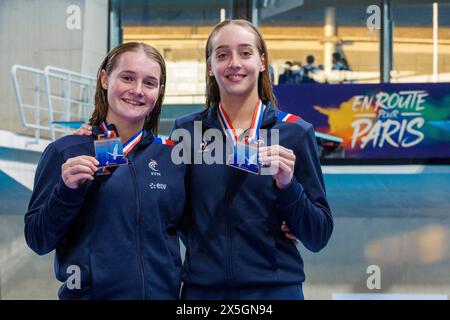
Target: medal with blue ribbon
x=244 y=153
x=109 y=150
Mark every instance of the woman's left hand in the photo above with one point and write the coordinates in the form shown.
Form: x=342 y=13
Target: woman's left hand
x=281 y=162
x=287 y=233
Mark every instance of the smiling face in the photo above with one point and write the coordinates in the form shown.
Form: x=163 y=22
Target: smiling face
x=133 y=87
x=235 y=62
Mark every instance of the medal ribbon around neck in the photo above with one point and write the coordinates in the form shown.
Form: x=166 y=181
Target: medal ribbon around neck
x=127 y=146
x=106 y=132
x=254 y=127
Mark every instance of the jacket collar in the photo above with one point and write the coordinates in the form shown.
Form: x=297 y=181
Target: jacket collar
x=209 y=116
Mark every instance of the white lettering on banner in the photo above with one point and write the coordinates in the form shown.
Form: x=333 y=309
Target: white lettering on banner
x=398 y=119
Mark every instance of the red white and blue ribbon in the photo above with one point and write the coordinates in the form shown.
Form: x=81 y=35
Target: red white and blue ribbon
x=132 y=142
x=127 y=146
x=106 y=132
x=160 y=140
x=254 y=127
x=287 y=117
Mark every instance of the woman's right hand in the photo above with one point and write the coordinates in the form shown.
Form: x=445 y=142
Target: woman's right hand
x=84 y=130
x=77 y=170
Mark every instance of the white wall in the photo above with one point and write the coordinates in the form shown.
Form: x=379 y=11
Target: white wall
x=34 y=33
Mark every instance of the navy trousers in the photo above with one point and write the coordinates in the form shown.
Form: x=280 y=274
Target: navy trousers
x=291 y=292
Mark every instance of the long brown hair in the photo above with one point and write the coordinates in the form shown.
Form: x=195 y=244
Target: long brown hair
x=265 y=91
x=109 y=63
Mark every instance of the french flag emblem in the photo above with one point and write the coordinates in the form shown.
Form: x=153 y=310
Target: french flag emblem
x=160 y=140
x=287 y=117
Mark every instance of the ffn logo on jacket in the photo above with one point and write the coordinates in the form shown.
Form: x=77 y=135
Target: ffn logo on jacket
x=152 y=165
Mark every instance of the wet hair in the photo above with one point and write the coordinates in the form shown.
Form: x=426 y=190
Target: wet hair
x=109 y=63
x=265 y=91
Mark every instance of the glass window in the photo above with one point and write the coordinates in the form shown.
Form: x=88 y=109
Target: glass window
x=297 y=29
x=178 y=29
x=413 y=50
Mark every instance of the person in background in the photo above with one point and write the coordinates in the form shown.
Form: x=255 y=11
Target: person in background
x=345 y=65
x=308 y=70
x=297 y=72
x=339 y=63
x=309 y=67
x=286 y=77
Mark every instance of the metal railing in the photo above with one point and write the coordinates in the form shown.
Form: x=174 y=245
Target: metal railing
x=36 y=107
x=58 y=99
x=73 y=103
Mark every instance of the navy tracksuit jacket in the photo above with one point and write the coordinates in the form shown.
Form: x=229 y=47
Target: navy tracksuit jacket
x=233 y=238
x=121 y=230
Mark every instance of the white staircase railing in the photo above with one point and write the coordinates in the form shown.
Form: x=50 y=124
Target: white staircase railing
x=60 y=99
x=32 y=110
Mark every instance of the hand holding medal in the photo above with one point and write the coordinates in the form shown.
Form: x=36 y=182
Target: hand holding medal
x=77 y=170
x=280 y=162
x=109 y=150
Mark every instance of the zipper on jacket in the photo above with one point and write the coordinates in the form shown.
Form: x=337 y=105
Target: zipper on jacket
x=229 y=246
x=138 y=218
x=229 y=253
